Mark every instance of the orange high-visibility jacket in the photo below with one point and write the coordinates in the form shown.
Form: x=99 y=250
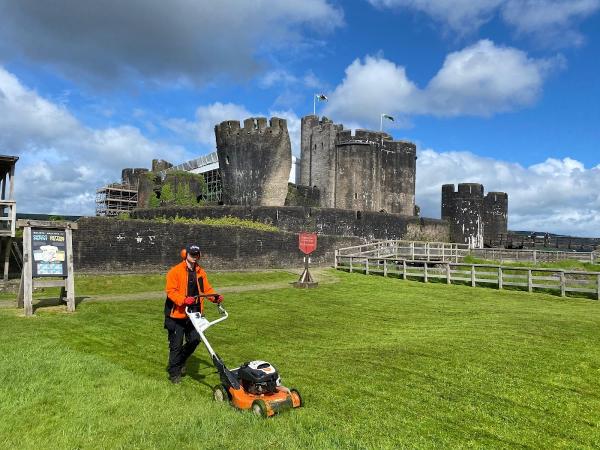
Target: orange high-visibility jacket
x=177 y=284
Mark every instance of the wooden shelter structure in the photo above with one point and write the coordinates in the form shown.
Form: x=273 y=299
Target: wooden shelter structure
x=8 y=208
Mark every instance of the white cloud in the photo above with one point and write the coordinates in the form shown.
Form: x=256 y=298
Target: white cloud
x=171 y=42
x=62 y=162
x=370 y=88
x=479 y=80
x=559 y=196
x=459 y=15
x=484 y=79
x=552 y=22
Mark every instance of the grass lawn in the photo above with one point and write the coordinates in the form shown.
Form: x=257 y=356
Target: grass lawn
x=381 y=363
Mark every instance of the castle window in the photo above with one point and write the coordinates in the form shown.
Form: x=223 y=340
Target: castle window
x=227 y=159
x=356 y=196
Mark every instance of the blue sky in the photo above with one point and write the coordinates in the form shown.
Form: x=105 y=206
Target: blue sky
x=502 y=92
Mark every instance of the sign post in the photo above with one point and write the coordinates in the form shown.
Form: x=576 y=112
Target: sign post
x=307 y=243
x=47 y=253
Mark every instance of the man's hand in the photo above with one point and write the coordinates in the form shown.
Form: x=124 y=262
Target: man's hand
x=189 y=300
x=218 y=299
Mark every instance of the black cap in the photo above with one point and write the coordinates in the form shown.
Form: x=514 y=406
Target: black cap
x=193 y=250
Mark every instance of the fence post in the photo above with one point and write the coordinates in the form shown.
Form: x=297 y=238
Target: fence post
x=562 y=284
x=535 y=256
x=598 y=288
x=427 y=252
x=351 y=259
x=529 y=280
x=443 y=252
x=448 y=275
x=335 y=263
x=385 y=267
x=472 y=275
x=404 y=269
x=500 y=277
x=425 y=272
x=412 y=250
x=366 y=266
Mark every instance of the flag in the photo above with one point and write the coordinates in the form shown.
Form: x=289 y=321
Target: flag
x=321 y=97
x=385 y=116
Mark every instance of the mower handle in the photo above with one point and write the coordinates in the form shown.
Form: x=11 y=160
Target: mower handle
x=219 y=306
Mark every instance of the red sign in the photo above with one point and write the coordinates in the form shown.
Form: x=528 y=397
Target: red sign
x=307 y=242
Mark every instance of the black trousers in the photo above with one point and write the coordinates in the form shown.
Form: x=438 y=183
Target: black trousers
x=178 y=351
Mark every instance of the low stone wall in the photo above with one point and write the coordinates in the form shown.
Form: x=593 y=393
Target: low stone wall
x=109 y=245
x=335 y=222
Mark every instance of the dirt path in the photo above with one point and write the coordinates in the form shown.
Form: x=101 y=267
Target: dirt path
x=323 y=276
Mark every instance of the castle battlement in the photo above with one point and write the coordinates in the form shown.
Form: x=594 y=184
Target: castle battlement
x=470 y=190
x=364 y=137
x=252 y=125
x=496 y=197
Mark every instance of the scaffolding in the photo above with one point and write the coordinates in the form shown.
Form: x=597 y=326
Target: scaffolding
x=214 y=185
x=115 y=199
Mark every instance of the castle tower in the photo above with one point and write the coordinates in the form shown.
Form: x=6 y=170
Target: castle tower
x=495 y=218
x=463 y=210
x=375 y=173
x=255 y=161
x=318 y=156
x=132 y=176
x=365 y=171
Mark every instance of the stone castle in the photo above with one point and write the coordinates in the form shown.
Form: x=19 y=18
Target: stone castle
x=365 y=171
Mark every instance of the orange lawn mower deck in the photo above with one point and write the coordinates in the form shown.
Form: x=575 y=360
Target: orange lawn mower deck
x=254 y=386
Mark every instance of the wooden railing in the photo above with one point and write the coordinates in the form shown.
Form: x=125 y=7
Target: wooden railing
x=558 y=280
x=414 y=250
x=8 y=218
x=444 y=251
x=535 y=256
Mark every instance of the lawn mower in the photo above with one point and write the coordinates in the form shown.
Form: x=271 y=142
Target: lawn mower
x=255 y=385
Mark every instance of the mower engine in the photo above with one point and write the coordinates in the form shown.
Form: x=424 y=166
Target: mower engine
x=258 y=377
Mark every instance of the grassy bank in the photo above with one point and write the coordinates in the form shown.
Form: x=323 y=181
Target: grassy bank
x=381 y=363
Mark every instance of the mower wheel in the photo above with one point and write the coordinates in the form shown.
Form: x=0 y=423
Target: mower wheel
x=259 y=408
x=296 y=397
x=220 y=394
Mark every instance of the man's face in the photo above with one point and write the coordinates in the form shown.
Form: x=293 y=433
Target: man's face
x=192 y=257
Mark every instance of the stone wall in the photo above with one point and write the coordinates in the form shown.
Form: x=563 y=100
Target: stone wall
x=109 y=245
x=337 y=222
x=255 y=161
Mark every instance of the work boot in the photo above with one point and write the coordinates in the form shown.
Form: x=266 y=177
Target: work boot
x=175 y=379
x=183 y=371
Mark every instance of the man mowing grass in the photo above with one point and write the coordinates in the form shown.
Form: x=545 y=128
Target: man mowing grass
x=185 y=281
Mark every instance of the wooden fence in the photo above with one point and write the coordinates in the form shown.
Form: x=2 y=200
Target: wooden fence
x=558 y=280
x=413 y=250
x=535 y=256
x=452 y=252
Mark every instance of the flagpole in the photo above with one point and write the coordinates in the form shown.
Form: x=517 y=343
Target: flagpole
x=315 y=105
x=381 y=123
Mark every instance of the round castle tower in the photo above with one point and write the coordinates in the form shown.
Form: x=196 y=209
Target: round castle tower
x=255 y=161
x=463 y=210
x=366 y=171
x=473 y=218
